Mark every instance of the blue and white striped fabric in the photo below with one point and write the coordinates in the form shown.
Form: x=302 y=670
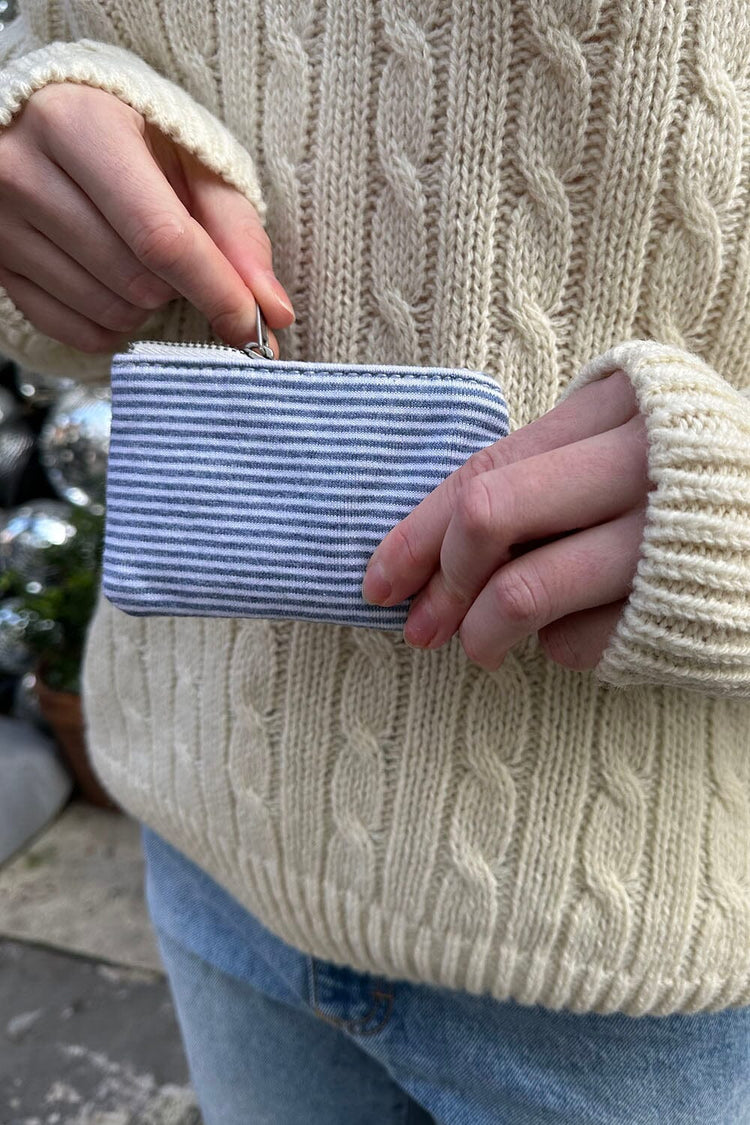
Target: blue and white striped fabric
x=244 y=487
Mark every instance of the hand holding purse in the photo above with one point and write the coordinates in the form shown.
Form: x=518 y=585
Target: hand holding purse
x=240 y=485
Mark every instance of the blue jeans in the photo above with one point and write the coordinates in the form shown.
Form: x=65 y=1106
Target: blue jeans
x=276 y=1037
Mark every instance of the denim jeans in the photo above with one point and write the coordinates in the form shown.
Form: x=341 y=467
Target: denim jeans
x=276 y=1037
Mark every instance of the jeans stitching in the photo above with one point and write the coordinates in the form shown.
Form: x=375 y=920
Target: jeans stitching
x=354 y=1026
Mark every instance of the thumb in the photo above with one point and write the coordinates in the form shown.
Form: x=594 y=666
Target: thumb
x=234 y=225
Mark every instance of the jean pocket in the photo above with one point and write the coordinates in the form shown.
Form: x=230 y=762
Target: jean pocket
x=358 y=1003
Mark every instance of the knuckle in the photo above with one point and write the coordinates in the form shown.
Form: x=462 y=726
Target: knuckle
x=119 y=316
x=482 y=461
x=257 y=236
x=61 y=108
x=51 y=105
x=68 y=103
x=11 y=166
x=474 y=508
x=162 y=242
x=404 y=545
x=146 y=291
x=452 y=589
x=521 y=598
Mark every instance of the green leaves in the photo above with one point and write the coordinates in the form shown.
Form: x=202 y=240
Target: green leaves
x=60 y=611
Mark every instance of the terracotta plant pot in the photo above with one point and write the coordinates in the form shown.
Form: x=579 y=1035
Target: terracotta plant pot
x=62 y=711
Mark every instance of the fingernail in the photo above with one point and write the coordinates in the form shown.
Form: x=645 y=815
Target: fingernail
x=421 y=626
x=378 y=586
x=281 y=294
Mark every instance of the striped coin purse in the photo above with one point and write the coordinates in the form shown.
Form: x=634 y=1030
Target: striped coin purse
x=243 y=486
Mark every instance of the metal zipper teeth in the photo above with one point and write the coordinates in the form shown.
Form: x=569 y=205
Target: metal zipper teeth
x=133 y=344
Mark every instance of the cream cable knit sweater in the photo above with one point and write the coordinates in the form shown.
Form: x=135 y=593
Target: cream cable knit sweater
x=517 y=186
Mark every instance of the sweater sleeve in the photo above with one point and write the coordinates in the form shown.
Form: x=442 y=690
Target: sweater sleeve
x=26 y=67
x=686 y=622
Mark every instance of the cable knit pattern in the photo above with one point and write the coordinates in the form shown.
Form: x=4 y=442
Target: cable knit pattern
x=286 y=110
x=253 y=741
x=467 y=226
x=339 y=174
x=549 y=138
x=615 y=835
x=548 y=191
x=358 y=781
x=641 y=75
x=403 y=121
x=704 y=190
x=484 y=809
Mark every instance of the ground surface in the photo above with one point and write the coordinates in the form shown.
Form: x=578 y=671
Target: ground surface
x=87 y=1030
x=79 y=885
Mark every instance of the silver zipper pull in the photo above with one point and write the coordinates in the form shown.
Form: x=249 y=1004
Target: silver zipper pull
x=259 y=347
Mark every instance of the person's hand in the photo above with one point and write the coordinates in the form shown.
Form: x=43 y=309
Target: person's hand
x=576 y=479
x=104 y=219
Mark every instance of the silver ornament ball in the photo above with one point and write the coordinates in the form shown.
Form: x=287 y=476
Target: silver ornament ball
x=41 y=390
x=16 y=449
x=7 y=13
x=30 y=533
x=9 y=406
x=74 y=443
x=15 y=655
x=26 y=701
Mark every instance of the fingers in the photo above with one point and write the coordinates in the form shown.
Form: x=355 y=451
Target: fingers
x=602 y=405
x=578 y=640
x=570 y=487
x=123 y=181
x=117 y=212
x=409 y=553
x=55 y=206
x=581 y=572
x=574 y=486
x=30 y=254
x=56 y=319
x=234 y=225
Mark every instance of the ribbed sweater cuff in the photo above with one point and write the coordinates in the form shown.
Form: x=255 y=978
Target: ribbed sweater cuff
x=163 y=104
x=687 y=620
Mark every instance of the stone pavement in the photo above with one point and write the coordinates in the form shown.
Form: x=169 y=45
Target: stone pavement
x=87 y=1030
x=79 y=885
x=87 y=1042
